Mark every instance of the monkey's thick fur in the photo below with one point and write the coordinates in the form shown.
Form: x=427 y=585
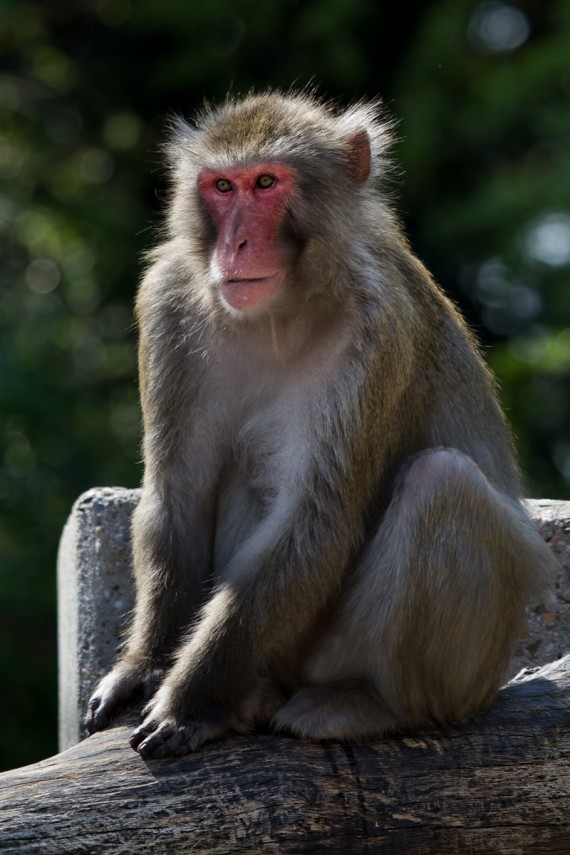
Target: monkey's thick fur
x=330 y=537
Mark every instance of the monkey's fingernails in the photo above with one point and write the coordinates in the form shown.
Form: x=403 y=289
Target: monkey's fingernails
x=145 y=748
x=97 y=717
x=141 y=733
x=94 y=703
x=151 y=746
x=91 y=724
x=170 y=740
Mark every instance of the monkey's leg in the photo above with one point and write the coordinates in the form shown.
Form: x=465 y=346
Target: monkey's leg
x=434 y=610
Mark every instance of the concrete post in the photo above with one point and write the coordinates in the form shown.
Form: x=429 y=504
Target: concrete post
x=95 y=595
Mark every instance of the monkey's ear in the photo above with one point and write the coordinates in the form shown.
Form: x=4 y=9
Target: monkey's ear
x=359 y=156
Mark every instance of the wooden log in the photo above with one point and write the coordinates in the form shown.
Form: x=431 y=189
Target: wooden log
x=499 y=784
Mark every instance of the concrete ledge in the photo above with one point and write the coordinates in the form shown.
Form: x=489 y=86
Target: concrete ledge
x=95 y=596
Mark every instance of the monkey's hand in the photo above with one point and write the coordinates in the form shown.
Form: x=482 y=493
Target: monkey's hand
x=172 y=727
x=125 y=683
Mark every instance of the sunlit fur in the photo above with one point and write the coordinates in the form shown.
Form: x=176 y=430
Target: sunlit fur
x=330 y=532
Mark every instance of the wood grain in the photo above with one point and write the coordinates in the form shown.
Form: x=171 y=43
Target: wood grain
x=499 y=784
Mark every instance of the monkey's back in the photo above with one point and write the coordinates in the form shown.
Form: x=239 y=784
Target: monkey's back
x=450 y=399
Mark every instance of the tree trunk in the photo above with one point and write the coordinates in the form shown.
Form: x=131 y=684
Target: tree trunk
x=500 y=783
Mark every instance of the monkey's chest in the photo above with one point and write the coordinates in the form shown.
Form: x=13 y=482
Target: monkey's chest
x=260 y=475
x=239 y=512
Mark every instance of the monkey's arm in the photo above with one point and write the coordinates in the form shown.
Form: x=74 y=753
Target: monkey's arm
x=173 y=524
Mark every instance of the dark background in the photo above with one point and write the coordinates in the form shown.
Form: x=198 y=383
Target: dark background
x=482 y=94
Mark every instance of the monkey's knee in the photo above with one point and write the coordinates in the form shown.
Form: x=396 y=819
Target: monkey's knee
x=439 y=469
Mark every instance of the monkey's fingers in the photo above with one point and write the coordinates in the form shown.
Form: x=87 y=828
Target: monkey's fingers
x=98 y=714
x=147 y=710
x=150 y=736
x=155 y=739
x=115 y=691
x=103 y=707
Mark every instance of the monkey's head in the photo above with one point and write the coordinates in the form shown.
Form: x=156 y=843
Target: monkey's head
x=267 y=186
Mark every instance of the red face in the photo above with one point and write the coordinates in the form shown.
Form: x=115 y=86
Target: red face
x=247 y=206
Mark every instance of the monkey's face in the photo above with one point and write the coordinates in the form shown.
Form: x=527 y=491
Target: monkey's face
x=250 y=259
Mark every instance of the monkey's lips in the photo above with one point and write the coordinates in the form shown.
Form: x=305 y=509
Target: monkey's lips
x=243 y=293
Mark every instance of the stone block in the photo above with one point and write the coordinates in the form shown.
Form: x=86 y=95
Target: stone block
x=95 y=597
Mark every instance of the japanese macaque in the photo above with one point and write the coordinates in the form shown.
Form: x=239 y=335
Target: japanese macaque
x=329 y=539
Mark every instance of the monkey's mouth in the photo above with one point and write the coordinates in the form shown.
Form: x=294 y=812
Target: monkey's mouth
x=246 y=293
x=251 y=280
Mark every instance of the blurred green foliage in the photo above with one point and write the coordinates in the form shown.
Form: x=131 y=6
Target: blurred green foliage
x=482 y=91
x=487 y=160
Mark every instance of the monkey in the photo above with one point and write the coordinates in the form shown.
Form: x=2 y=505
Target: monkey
x=330 y=539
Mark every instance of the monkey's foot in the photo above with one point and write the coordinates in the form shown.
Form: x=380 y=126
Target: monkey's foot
x=335 y=712
x=121 y=686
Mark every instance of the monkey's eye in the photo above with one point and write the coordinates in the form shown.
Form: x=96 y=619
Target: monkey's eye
x=265 y=181
x=223 y=185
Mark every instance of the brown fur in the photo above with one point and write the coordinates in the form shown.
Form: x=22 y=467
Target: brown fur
x=330 y=532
